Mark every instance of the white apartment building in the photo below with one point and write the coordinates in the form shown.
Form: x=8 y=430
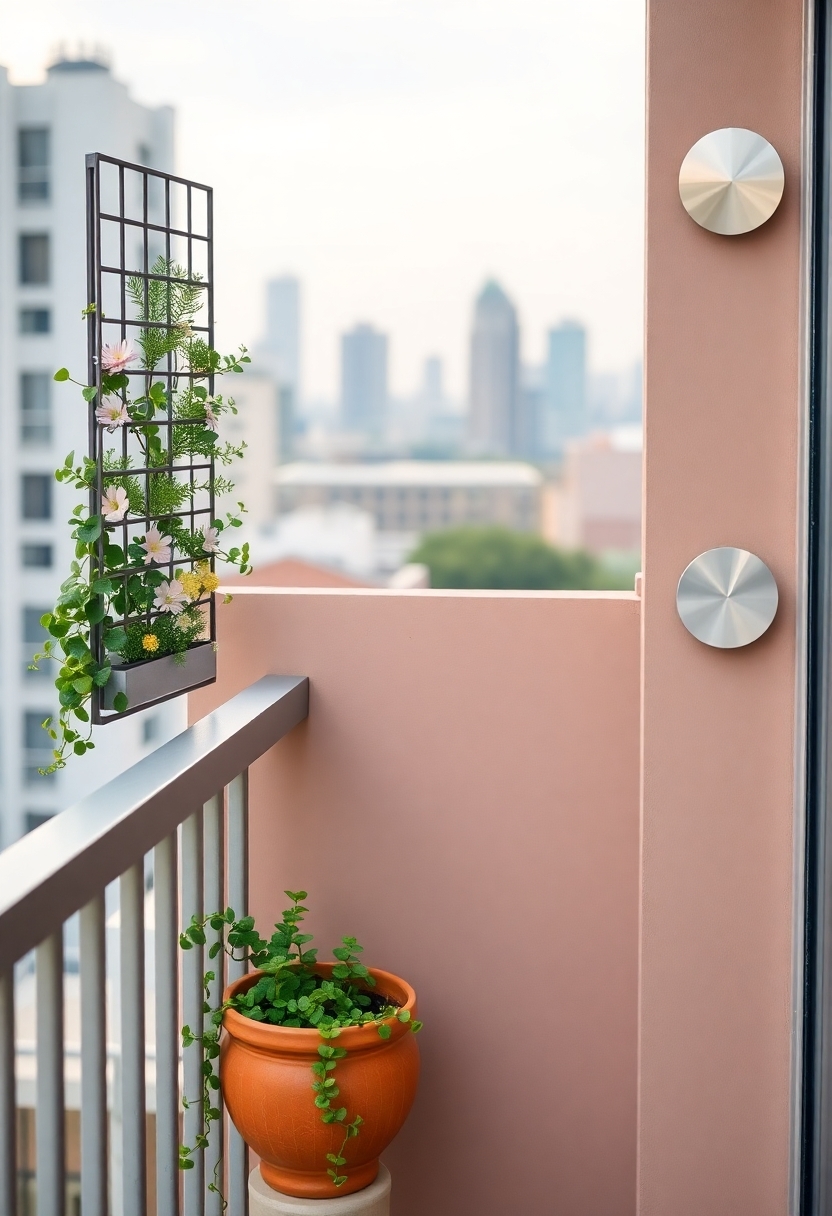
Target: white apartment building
x=45 y=132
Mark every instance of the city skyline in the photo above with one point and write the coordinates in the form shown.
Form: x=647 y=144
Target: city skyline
x=393 y=156
x=553 y=400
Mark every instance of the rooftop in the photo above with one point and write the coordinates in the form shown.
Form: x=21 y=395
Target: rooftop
x=491 y=475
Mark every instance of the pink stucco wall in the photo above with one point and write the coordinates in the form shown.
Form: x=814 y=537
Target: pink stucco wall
x=722 y=428
x=464 y=798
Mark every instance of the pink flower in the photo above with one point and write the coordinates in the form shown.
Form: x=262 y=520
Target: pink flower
x=115 y=358
x=156 y=546
x=170 y=597
x=112 y=413
x=210 y=540
x=211 y=419
x=114 y=504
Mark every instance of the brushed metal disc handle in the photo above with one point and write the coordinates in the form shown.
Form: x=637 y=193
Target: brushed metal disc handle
x=727 y=597
x=731 y=181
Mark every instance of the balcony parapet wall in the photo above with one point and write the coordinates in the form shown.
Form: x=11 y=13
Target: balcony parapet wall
x=464 y=799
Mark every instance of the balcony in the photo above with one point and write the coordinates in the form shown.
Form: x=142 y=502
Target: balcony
x=593 y=844
x=463 y=795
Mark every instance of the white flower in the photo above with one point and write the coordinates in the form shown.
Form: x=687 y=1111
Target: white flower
x=112 y=413
x=211 y=418
x=170 y=597
x=210 y=540
x=156 y=546
x=114 y=504
x=116 y=357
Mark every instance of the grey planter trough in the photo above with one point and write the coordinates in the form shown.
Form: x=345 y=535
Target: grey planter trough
x=157 y=679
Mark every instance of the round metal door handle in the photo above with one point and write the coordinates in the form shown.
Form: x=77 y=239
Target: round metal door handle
x=727 y=597
x=731 y=181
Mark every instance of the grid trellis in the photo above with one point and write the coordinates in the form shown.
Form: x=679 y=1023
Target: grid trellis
x=149 y=247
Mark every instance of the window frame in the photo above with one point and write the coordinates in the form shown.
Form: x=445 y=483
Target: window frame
x=24 y=264
x=45 y=480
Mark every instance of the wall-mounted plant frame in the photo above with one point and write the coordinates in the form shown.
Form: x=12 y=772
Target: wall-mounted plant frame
x=151 y=291
x=135 y=621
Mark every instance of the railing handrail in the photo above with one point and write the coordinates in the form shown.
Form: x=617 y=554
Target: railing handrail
x=55 y=870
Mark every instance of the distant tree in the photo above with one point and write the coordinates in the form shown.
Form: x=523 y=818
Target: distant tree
x=496 y=558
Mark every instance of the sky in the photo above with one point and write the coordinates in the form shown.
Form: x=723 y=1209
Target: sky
x=394 y=154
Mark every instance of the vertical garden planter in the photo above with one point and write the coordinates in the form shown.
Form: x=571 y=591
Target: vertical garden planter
x=135 y=623
x=150 y=279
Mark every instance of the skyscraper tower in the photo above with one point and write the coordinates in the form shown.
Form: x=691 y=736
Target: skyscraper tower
x=564 y=413
x=45 y=132
x=279 y=353
x=495 y=423
x=283 y=330
x=364 y=380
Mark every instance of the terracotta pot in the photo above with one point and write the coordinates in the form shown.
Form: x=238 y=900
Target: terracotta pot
x=266 y=1075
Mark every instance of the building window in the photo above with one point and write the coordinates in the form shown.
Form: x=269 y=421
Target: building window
x=34 y=635
x=34 y=259
x=34 y=819
x=35 y=321
x=36 y=742
x=35 y=407
x=33 y=164
x=36 y=496
x=36 y=557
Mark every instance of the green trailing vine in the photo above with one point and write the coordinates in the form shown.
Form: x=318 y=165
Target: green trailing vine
x=289 y=992
x=141 y=610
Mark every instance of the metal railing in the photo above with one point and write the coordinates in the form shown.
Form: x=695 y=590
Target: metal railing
x=175 y=824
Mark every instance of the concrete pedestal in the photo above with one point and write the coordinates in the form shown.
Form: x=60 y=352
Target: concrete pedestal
x=374 y=1200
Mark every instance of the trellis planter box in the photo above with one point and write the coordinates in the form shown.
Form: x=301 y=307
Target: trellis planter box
x=155 y=680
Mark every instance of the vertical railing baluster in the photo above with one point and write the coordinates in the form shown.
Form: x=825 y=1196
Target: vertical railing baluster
x=93 y=1060
x=238 y=900
x=49 y=1112
x=192 y=1001
x=8 y=1104
x=166 y=894
x=133 y=1116
x=213 y=820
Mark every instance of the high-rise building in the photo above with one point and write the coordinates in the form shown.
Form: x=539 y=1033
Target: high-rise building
x=364 y=394
x=45 y=132
x=564 y=406
x=433 y=387
x=279 y=354
x=495 y=417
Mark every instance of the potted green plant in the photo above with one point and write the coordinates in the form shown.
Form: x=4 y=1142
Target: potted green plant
x=318 y=1063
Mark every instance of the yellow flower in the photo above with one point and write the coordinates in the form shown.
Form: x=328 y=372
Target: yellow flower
x=210 y=581
x=191 y=584
x=150 y=642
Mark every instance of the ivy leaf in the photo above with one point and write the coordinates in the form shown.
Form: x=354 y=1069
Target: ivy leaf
x=120 y=702
x=89 y=531
x=114 y=639
x=61 y=374
x=76 y=648
x=89 y=393
x=102 y=675
x=95 y=610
